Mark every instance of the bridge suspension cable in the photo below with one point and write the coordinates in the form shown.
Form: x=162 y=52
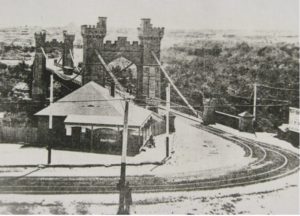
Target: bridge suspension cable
x=72 y=57
x=115 y=80
x=271 y=87
x=64 y=78
x=174 y=86
x=43 y=51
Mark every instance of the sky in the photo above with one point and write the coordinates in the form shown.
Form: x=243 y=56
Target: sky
x=171 y=14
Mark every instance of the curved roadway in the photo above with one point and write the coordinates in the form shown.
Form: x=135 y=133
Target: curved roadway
x=271 y=163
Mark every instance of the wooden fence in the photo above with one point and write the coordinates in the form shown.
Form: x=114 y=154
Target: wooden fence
x=18 y=134
x=158 y=128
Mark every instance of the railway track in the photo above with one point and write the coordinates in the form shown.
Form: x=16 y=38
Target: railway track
x=270 y=163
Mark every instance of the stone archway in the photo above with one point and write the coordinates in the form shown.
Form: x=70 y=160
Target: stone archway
x=140 y=53
x=126 y=72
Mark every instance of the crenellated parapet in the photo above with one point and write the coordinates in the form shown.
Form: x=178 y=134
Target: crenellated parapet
x=92 y=31
x=40 y=40
x=146 y=30
x=122 y=45
x=150 y=38
x=40 y=81
x=95 y=31
x=54 y=43
x=68 y=38
x=139 y=53
x=150 y=79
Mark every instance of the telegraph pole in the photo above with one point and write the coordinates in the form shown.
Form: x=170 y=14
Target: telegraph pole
x=50 y=120
x=254 y=100
x=122 y=181
x=168 y=120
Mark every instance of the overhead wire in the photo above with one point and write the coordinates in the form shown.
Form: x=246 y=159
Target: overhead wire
x=223 y=105
x=271 y=87
x=94 y=100
x=178 y=105
x=184 y=106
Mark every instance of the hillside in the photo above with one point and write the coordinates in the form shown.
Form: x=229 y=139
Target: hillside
x=227 y=71
x=222 y=64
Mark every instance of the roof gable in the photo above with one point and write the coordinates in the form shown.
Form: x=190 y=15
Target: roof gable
x=90 y=99
x=245 y=114
x=88 y=92
x=95 y=100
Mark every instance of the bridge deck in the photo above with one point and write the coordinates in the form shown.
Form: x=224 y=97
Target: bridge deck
x=77 y=79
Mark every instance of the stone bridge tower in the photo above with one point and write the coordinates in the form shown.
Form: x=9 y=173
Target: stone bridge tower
x=93 y=37
x=148 y=72
x=150 y=38
x=67 y=48
x=39 y=83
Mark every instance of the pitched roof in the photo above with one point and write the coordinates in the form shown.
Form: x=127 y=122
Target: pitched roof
x=106 y=120
x=245 y=114
x=95 y=102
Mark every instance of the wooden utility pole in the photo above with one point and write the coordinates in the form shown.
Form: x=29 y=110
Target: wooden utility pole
x=50 y=120
x=168 y=120
x=254 y=100
x=122 y=181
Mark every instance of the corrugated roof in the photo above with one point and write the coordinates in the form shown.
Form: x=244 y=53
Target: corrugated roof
x=94 y=101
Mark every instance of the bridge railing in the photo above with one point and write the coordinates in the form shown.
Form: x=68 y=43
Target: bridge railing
x=227 y=119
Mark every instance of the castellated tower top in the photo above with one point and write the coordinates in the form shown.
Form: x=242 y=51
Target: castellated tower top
x=68 y=37
x=95 y=31
x=40 y=39
x=102 y=22
x=146 y=30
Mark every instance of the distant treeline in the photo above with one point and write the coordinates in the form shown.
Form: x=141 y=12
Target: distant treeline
x=227 y=71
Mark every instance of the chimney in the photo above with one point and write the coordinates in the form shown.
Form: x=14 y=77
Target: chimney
x=112 y=89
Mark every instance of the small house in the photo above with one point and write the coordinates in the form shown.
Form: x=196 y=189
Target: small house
x=246 y=122
x=290 y=131
x=91 y=119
